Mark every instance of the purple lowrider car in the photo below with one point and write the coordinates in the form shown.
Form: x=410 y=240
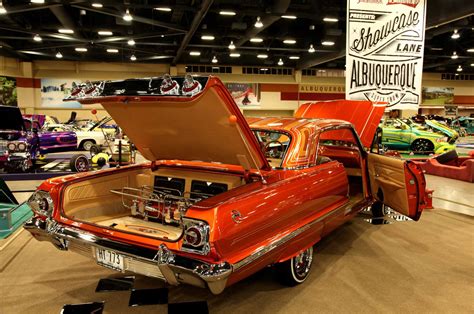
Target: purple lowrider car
x=21 y=142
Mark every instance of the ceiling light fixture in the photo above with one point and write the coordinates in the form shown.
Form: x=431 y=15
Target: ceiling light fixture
x=436 y=48
x=2 y=8
x=264 y=69
x=256 y=40
x=163 y=9
x=59 y=55
x=459 y=69
x=258 y=23
x=289 y=41
x=127 y=16
x=133 y=58
x=194 y=53
x=37 y=1
x=214 y=59
x=294 y=57
x=455 y=55
x=289 y=17
x=37 y=38
x=470 y=50
x=327 y=43
x=330 y=20
x=472 y=64
x=231 y=45
x=311 y=49
x=262 y=56
x=97 y=5
x=131 y=42
x=234 y=55
x=455 y=34
x=105 y=33
x=280 y=62
x=207 y=37
x=81 y=49
x=65 y=31
x=227 y=12
x=112 y=50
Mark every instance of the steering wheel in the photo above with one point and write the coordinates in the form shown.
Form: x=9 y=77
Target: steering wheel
x=275 y=151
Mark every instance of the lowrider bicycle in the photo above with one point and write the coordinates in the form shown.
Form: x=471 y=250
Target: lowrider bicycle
x=221 y=198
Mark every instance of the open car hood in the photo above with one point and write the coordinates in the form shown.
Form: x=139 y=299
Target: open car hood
x=364 y=115
x=446 y=130
x=11 y=119
x=203 y=125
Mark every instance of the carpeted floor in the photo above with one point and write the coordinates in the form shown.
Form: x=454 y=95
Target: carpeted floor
x=403 y=267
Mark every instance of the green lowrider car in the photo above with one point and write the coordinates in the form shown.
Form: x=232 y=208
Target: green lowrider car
x=464 y=125
x=405 y=135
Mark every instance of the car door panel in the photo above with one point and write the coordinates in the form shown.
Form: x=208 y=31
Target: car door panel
x=397 y=184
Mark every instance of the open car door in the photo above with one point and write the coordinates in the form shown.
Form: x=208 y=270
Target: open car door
x=398 y=183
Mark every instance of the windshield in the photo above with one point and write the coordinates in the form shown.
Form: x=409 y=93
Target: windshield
x=274 y=146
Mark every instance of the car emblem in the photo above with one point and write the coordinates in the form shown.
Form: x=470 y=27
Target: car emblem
x=236 y=216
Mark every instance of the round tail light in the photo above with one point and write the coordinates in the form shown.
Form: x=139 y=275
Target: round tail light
x=11 y=146
x=194 y=236
x=21 y=147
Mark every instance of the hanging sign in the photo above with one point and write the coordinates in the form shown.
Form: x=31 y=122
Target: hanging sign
x=384 y=54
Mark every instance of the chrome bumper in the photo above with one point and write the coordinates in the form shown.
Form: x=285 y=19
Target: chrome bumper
x=160 y=263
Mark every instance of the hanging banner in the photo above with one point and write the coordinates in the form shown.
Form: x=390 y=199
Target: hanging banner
x=384 y=55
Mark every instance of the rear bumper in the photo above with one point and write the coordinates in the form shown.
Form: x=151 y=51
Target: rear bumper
x=160 y=263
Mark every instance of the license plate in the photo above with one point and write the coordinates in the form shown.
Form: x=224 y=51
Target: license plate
x=109 y=259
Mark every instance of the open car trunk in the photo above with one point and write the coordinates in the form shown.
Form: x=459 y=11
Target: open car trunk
x=144 y=202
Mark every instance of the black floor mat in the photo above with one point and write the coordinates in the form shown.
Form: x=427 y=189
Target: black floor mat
x=83 y=308
x=148 y=296
x=199 y=307
x=115 y=284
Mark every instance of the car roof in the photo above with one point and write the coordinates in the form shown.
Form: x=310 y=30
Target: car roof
x=292 y=125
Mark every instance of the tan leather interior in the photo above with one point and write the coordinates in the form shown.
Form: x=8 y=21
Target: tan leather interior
x=388 y=175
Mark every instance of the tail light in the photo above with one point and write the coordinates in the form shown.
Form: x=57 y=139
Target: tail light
x=196 y=236
x=11 y=147
x=41 y=203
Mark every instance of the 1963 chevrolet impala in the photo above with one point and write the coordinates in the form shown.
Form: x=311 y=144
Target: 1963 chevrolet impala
x=222 y=197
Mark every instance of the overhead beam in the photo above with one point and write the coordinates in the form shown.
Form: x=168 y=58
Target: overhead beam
x=136 y=18
x=194 y=26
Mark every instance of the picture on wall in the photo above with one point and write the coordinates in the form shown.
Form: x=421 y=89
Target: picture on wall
x=438 y=95
x=245 y=94
x=8 y=96
x=53 y=91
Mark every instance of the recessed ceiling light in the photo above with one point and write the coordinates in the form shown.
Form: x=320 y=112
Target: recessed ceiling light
x=131 y=42
x=163 y=9
x=59 y=55
x=280 y=62
x=207 y=37
x=258 y=23
x=97 y=5
x=81 y=49
x=289 y=17
x=227 y=12
x=234 y=55
x=470 y=50
x=455 y=55
x=133 y=58
x=289 y=41
x=231 y=45
x=37 y=38
x=327 y=43
x=262 y=56
x=105 y=33
x=2 y=8
x=256 y=40
x=37 y=1
x=195 y=53
x=330 y=20
x=294 y=57
x=112 y=50
x=65 y=31
x=127 y=16
x=214 y=59
x=455 y=34
x=311 y=49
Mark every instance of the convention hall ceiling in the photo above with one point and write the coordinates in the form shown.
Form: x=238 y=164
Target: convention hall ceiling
x=300 y=34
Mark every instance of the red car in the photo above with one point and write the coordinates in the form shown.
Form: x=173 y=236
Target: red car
x=222 y=197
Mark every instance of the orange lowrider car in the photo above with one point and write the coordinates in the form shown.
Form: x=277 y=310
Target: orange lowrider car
x=222 y=197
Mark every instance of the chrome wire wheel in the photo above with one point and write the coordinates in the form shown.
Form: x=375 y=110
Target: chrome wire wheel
x=422 y=145
x=301 y=265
